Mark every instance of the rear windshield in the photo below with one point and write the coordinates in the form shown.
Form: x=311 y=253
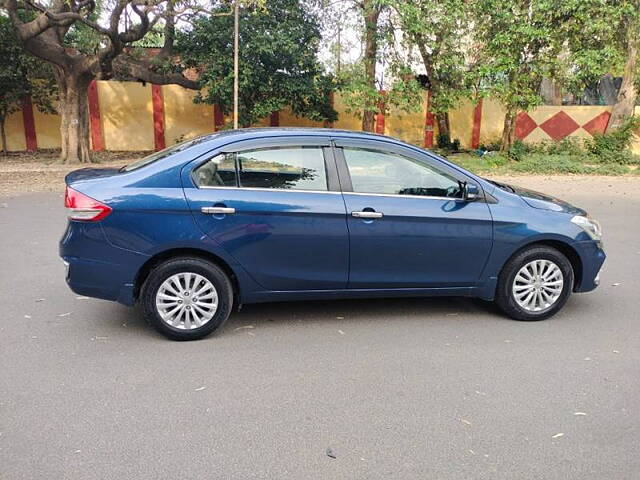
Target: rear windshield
x=155 y=156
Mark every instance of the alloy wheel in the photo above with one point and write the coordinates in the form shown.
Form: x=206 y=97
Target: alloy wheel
x=186 y=301
x=538 y=285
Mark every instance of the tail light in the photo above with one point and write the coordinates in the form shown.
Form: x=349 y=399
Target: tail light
x=83 y=208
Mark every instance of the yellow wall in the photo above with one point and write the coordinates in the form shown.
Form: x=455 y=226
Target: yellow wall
x=492 y=121
x=461 y=123
x=406 y=126
x=288 y=119
x=47 y=129
x=14 y=128
x=127 y=115
x=263 y=122
x=184 y=119
x=635 y=142
x=347 y=121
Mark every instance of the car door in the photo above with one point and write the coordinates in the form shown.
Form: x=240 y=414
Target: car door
x=408 y=225
x=275 y=206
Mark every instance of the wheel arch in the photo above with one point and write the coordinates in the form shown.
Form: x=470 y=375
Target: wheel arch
x=161 y=257
x=563 y=247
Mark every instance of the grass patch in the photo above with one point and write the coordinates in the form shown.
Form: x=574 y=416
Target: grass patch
x=541 y=163
x=603 y=154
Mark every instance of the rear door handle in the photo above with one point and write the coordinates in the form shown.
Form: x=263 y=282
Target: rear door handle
x=367 y=214
x=218 y=210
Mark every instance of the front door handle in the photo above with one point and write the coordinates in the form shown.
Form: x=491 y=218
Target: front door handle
x=218 y=210
x=367 y=214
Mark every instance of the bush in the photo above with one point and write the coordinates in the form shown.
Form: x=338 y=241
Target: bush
x=566 y=146
x=443 y=141
x=540 y=163
x=612 y=157
x=543 y=163
x=496 y=160
x=518 y=150
x=613 y=148
x=492 y=146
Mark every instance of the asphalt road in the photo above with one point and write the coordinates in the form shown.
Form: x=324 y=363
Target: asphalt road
x=397 y=389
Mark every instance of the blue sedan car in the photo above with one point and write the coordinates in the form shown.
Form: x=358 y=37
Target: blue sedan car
x=260 y=215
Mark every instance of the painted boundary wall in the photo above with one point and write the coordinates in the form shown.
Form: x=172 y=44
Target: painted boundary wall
x=130 y=116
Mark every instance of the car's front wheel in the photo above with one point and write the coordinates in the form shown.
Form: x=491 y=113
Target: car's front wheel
x=186 y=298
x=535 y=283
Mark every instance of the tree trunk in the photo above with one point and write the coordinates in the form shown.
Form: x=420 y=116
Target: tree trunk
x=74 y=112
x=509 y=129
x=626 y=101
x=3 y=134
x=444 y=127
x=371 y=14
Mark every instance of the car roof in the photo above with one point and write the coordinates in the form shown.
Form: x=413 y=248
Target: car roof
x=283 y=131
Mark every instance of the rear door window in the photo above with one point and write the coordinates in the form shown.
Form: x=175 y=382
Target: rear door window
x=287 y=168
x=220 y=171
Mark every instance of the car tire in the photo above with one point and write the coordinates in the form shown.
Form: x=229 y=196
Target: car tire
x=184 y=316
x=535 y=283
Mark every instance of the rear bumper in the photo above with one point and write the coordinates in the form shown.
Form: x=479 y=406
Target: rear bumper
x=98 y=280
x=95 y=268
x=592 y=257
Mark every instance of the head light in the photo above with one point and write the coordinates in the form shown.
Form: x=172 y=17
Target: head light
x=589 y=225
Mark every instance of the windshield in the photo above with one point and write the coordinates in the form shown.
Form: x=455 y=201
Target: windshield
x=155 y=156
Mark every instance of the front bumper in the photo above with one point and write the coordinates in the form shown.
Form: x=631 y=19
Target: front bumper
x=592 y=258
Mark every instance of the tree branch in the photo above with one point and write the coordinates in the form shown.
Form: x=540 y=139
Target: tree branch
x=141 y=70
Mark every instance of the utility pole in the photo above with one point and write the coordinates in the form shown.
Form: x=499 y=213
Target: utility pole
x=235 y=62
x=339 y=50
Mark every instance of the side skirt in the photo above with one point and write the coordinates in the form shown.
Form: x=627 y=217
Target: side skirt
x=292 y=295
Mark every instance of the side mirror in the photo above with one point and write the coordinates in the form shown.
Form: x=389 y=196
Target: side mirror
x=470 y=192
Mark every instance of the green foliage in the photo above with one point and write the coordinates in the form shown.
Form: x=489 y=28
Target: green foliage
x=434 y=33
x=594 y=39
x=607 y=154
x=539 y=164
x=521 y=42
x=83 y=38
x=606 y=149
x=492 y=146
x=518 y=150
x=613 y=148
x=406 y=93
x=357 y=94
x=496 y=160
x=444 y=142
x=278 y=64
x=437 y=30
x=566 y=146
x=21 y=75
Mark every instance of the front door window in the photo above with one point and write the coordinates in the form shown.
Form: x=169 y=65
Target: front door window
x=376 y=172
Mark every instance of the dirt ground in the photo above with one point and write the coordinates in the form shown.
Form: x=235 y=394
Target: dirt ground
x=22 y=173
x=31 y=173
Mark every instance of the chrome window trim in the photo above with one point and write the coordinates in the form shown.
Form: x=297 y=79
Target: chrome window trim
x=395 y=195
x=264 y=189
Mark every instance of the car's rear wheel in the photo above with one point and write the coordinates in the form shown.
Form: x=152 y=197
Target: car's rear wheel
x=535 y=283
x=186 y=298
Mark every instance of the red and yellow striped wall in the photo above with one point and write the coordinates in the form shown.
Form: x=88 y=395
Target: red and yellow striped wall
x=128 y=116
